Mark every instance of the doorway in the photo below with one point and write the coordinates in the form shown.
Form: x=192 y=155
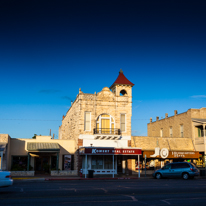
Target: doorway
x=42 y=165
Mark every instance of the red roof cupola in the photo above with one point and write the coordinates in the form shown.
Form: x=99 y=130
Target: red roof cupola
x=122 y=80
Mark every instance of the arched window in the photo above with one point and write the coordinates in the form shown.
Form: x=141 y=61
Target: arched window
x=105 y=124
x=123 y=92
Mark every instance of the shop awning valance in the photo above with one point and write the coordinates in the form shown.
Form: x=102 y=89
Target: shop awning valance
x=199 y=120
x=42 y=147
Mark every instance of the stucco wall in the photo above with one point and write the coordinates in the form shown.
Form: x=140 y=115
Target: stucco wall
x=19 y=147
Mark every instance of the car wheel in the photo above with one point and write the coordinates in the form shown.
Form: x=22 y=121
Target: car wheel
x=158 y=176
x=185 y=176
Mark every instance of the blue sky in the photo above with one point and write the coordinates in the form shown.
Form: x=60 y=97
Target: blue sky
x=50 y=49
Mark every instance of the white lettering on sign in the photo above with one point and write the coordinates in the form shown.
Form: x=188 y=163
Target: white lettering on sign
x=163 y=152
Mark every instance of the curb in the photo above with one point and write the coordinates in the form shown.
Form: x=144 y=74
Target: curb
x=118 y=178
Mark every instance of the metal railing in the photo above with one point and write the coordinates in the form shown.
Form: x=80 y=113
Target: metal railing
x=107 y=131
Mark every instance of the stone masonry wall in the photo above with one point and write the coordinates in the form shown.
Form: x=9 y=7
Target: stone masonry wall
x=172 y=144
x=175 y=121
x=4 y=138
x=100 y=103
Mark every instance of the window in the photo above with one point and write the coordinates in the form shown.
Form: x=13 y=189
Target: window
x=123 y=93
x=19 y=163
x=181 y=130
x=102 y=162
x=122 y=122
x=161 y=132
x=105 y=124
x=171 y=132
x=87 y=121
x=97 y=162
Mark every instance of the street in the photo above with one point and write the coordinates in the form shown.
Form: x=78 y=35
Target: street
x=108 y=192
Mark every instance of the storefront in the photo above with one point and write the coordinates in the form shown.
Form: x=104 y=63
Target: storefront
x=155 y=159
x=107 y=160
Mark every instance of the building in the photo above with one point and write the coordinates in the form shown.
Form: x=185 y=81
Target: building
x=27 y=157
x=183 y=132
x=4 y=151
x=100 y=125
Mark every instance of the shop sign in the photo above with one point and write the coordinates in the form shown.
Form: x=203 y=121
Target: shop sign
x=183 y=154
x=163 y=153
x=110 y=151
x=173 y=154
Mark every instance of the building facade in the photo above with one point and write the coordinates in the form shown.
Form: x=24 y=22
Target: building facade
x=187 y=127
x=42 y=155
x=101 y=121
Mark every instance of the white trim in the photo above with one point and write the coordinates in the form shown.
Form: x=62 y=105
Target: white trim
x=87 y=136
x=99 y=121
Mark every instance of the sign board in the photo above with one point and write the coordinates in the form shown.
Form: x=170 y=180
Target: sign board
x=109 y=151
x=175 y=154
x=67 y=162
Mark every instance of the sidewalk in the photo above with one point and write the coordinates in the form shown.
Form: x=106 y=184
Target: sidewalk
x=54 y=178
x=99 y=177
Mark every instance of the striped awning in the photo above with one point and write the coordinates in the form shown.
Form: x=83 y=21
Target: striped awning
x=42 y=147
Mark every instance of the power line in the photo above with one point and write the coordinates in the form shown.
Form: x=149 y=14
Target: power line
x=30 y=120
x=48 y=120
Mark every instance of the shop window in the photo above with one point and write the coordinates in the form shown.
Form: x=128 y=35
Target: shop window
x=68 y=162
x=19 y=163
x=108 y=162
x=123 y=122
x=101 y=162
x=87 y=121
x=97 y=162
x=53 y=162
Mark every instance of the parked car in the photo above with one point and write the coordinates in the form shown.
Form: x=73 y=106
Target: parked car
x=177 y=169
x=5 y=179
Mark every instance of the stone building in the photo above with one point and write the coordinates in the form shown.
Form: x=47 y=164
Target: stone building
x=101 y=121
x=185 y=130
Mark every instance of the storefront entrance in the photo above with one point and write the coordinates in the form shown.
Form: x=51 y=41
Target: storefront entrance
x=42 y=164
x=108 y=160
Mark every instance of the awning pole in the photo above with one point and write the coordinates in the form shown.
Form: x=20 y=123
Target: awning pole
x=138 y=168
x=113 y=166
x=85 y=166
